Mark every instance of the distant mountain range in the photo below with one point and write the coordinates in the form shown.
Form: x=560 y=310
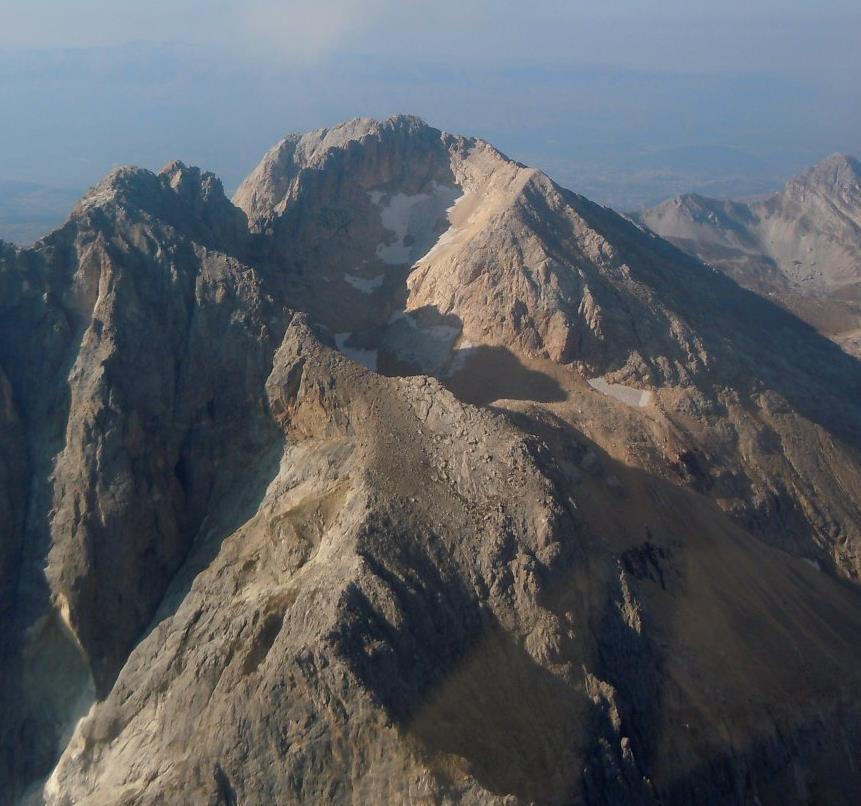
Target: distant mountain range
x=801 y=246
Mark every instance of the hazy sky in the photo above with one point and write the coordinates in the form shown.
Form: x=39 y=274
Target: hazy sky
x=771 y=35
x=623 y=98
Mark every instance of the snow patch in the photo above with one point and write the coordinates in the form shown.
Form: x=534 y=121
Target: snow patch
x=414 y=220
x=464 y=350
x=628 y=395
x=813 y=563
x=364 y=284
x=427 y=346
x=449 y=235
x=367 y=358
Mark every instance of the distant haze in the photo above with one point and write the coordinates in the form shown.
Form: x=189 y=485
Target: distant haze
x=627 y=105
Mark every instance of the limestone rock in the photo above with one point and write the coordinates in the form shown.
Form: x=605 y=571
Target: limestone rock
x=587 y=530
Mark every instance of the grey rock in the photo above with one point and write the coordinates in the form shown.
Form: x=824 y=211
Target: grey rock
x=237 y=566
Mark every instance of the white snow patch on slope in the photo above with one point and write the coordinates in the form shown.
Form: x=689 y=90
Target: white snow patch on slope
x=450 y=234
x=625 y=394
x=367 y=285
x=367 y=358
x=413 y=220
x=427 y=346
x=458 y=362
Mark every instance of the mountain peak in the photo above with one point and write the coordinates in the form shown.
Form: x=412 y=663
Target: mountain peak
x=691 y=215
x=185 y=196
x=837 y=172
x=205 y=500
x=120 y=182
x=397 y=146
x=841 y=162
x=800 y=246
x=192 y=184
x=313 y=145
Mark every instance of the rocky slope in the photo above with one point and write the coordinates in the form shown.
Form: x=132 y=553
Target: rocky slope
x=414 y=476
x=801 y=246
x=523 y=271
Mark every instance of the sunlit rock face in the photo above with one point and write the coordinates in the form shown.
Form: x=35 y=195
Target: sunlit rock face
x=411 y=475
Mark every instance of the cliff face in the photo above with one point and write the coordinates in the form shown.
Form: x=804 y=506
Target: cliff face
x=267 y=540
x=132 y=346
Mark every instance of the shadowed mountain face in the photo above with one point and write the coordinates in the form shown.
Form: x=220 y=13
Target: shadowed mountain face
x=412 y=475
x=801 y=247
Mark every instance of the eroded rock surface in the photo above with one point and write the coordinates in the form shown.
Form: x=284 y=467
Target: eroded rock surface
x=589 y=533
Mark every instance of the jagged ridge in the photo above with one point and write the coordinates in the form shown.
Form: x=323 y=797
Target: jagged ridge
x=284 y=577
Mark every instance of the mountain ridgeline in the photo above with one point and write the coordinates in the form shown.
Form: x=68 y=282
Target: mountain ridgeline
x=801 y=246
x=409 y=475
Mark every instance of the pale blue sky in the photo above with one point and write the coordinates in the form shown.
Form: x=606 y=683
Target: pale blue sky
x=685 y=35
x=652 y=93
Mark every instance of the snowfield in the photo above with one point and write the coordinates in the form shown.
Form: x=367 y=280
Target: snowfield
x=625 y=394
x=415 y=221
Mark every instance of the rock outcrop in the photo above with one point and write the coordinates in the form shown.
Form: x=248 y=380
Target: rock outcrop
x=523 y=271
x=414 y=476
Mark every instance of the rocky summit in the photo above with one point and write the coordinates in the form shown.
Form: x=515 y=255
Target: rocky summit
x=411 y=476
x=801 y=247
